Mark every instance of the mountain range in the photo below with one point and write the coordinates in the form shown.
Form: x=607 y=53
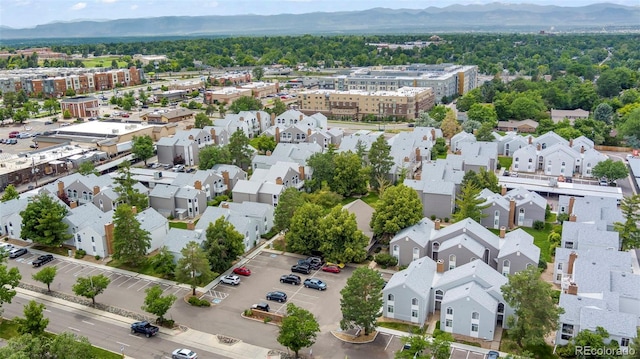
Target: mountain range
x=495 y=17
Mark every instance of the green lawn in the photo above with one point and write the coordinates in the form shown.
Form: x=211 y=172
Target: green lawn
x=102 y=62
x=540 y=240
x=144 y=268
x=8 y=329
x=180 y=225
x=371 y=199
x=505 y=162
x=403 y=327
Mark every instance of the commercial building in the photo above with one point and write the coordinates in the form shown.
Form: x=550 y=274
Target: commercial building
x=405 y=102
x=82 y=106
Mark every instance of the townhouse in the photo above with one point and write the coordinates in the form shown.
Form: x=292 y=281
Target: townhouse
x=517 y=207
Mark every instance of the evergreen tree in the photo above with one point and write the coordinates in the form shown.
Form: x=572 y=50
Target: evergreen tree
x=629 y=232
x=130 y=242
x=380 y=160
x=127 y=194
x=193 y=268
x=469 y=204
x=361 y=300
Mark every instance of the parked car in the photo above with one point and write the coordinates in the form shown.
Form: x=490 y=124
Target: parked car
x=506 y=173
x=492 y=354
x=277 y=296
x=184 y=354
x=43 y=259
x=331 y=269
x=17 y=252
x=167 y=166
x=261 y=306
x=178 y=168
x=290 y=279
x=65 y=124
x=242 y=271
x=603 y=182
x=13 y=134
x=230 y=279
x=315 y=283
x=34 y=145
x=48 y=122
x=6 y=247
x=339 y=265
x=301 y=268
x=144 y=328
x=125 y=115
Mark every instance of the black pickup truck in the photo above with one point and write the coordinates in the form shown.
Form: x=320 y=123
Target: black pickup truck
x=43 y=259
x=144 y=328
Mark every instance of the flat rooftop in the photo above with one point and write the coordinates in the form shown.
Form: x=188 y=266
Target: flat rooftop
x=101 y=129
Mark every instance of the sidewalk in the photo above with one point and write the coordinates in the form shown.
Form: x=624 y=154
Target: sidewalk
x=191 y=338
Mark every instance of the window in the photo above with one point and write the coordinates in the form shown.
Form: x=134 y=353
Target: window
x=390 y=298
x=414 y=301
x=624 y=342
x=506 y=263
x=560 y=266
x=93 y=240
x=474 y=327
x=558 y=277
x=517 y=159
x=439 y=294
x=452 y=261
x=449 y=311
x=414 y=313
x=448 y=323
x=416 y=253
x=79 y=238
x=389 y=308
x=475 y=315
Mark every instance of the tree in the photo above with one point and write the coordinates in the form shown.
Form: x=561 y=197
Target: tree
x=222 y=109
x=342 y=241
x=42 y=221
x=245 y=103
x=210 y=110
x=51 y=105
x=20 y=115
x=87 y=168
x=483 y=113
x=290 y=200
x=323 y=168
x=416 y=345
x=202 y=120
x=450 y=125
x=278 y=107
x=603 y=113
x=361 y=300
x=130 y=241
x=263 y=143
x=69 y=345
x=630 y=125
x=193 y=268
x=70 y=92
x=440 y=346
x=485 y=132
x=27 y=346
x=213 y=155
x=157 y=304
x=380 y=160
x=223 y=244
x=439 y=112
x=163 y=263
x=46 y=275
x=399 y=207
x=257 y=73
x=34 y=321
x=470 y=126
x=611 y=170
x=239 y=149
x=304 y=234
x=90 y=287
x=142 y=147
x=10 y=193
x=299 y=329
x=629 y=231
x=9 y=279
x=163 y=102
x=350 y=177
x=469 y=204
x=536 y=314
x=127 y=194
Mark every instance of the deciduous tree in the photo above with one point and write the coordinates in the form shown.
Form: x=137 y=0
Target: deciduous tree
x=450 y=125
x=535 y=312
x=34 y=321
x=483 y=113
x=361 y=300
x=239 y=149
x=611 y=170
x=213 y=155
x=258 y=73
x=163 y=262
x=263 y=143
x=202 y=120
x=299 y=329
x=350 y=177
x=304 y=234
x=142 y=147
x=399 y=207
x=342 y=241
x=223 y=244
x=193 y=268
x=278 y=107
x=69 y=345
x=290 y=200
x=42 y=221
x=10 y=193
x=87 y=168
x=156 y=303
x=245 y=103
x=91 y=286
x=130 y=241
x=46 y=275
x=323 y=168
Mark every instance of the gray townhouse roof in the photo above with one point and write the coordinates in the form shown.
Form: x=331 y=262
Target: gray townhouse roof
x=442 y=170
x=189 y=179
x=592 y=267
x=15 y=205
x=588 y=236
x=184 y=134
x=528 y=151
x=363 y=213
x=166 y=141
x=150 y=219
x=418 y=276
x=241 y=223
x=521 y=243
x=249 y=209
x=246 y=186
x=335 y=131
x=473 y=291
x=573 y=304
x=477 y=271
x=433 y=187
x=550 y=137
x=420 y=232
x=556 y=149
x=164 y=191
x=493 y=199
x=599 y=210
x=141 y=188
x=279 y=169
x=232 y=169
x=89 y=215
x=522 y=196
x=460 y=138
x=582 y=141
x=178 y=238
x=403 y=145
x=187 y=193
x=350 y=143
x=469 y=225
x=90 y=181
x=478 y=151
x=271 y=188
x=615 y=323
x=463 y=240
x=296 y=152
x=627 y=285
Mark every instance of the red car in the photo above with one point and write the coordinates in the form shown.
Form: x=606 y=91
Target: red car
x=332 y=269
x=242 y=271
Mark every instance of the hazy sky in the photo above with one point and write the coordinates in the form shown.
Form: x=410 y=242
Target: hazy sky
x=28 y=13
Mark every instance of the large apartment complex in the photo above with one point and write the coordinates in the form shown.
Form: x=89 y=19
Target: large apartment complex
x=404 y=102
x=54 y=82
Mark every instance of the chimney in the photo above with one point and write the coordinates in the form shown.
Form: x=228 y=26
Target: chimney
x=440 y=266
x=279 y=180
x=191 y=226
x=571 y=142
x=572 y=260
x=241 y=118
x=134 y=209
x=581 y=149
x=108 y=235
x=96 y=190
x=417 y=153
x=433 y=134
x=572 y=201
x=530 y=139
x=437 y=224
x=308 y=132
x=259 y=120
x=197 y=185
x=572 y=218
x=268 y=153
x=539 y=147
x=406 y=159
x=301 y=170
x=573 y=289
x=191 y=137
x=277 y=134
x=73 y=204
x=458 y=152
x=224 y=205
x=225 y=179
x=273 y=119
x=301 y=117
x=60 y=189
x=417 y=176
x=503 y=231
x=503 y=190
x=512 y=213
x=213 y=135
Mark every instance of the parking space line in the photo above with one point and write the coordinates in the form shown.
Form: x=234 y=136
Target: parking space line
x=119 y=285
x=135 y=283
x=65 y=265
x=178 y=290
x=72 y=268
x=389 y=342
x=146 y=284
x=301 y=301
x=96 y=269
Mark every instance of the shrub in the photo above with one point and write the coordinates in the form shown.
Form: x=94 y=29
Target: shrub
x=266 y=320
x=498 y=166
x=446 y=219
x=433 y=217
x=542 y=264
x=195 y=301
x=97 y=257
x=80 y=253
x=248 y=312
x=538 y=225
x=386 y=260
x=555 y=294
x=562 y=217
x=377 y=250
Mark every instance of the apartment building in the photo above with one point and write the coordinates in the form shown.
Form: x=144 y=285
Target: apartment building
x=82 y=106
x=405 y=102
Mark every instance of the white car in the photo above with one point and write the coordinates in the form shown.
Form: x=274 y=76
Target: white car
x=184 y=354
x=6 y=247
x=230 y=279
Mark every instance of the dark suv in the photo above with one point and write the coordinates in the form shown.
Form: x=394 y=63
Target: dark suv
x=312 y=262
x=290 y=278
x=261 y=306
x=301 y=268
x=277 y=296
